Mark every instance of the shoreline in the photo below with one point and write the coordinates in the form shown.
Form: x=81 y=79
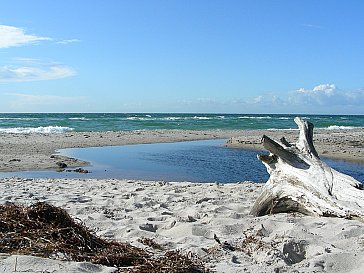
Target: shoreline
x=35 y=152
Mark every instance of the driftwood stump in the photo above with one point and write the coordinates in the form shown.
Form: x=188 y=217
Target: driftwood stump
x=300 y=182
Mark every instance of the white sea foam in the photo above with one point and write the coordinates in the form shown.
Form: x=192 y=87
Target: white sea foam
x=138 y=118
x=19 y=118
x=80 y=118
x=282 y=129
x=202 y=118
x=29 y=130
x=337 y=127
x=172 y=118
x=148 y=117
x=252 y=117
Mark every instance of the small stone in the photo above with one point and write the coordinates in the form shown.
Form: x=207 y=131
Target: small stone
x=205 y=199
x=190 y=219
x=14 y=160
x=294 y=252
x=148 y=227
x=80 y=170
x=235 y=260
x=61 y=164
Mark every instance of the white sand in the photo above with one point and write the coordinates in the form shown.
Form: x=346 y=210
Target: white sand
x=186 y=216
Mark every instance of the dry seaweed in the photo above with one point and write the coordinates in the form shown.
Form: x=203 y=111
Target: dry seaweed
x=151 y=243
x=171 y=262
x=47 y=231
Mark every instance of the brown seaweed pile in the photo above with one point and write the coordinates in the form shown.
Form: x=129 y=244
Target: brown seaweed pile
x=47 y=231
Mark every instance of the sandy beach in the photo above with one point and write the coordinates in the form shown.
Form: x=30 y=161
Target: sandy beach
x=188 y=216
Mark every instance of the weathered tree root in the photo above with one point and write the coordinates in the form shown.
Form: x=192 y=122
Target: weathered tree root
x=300 y=182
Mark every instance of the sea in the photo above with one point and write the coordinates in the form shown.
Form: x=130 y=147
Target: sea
x=194 y=161
x=85 y=122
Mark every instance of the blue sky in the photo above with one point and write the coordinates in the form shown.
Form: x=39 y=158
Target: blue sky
x=182 y=56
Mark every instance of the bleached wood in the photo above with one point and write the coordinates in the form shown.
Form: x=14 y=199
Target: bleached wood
x=300 y=182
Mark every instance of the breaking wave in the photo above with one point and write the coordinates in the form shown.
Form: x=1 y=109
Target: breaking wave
x=337 y=127
x=39 y=130
x=19 y=118
x=253 y=117
x=81 y=118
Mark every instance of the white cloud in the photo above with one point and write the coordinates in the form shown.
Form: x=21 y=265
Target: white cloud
x=323 y=98
x=319 y=95
x=327 y=89
x=34 y=72
x=11 y=36
x=69 y=41
x=262 y=100
x=258 y=99
x=21 y=59
x=326 y=95
x=208 y=101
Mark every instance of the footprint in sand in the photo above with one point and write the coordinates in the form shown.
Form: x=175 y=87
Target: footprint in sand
x=80 y=199
x=158 y=218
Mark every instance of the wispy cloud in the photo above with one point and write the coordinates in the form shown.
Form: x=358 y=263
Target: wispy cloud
x=11 y=36
x=27 y=69
x=69 y=41
x=258 y=99
x=209 y=101
x=311 y=26
x=24 y=59
x=30 y=99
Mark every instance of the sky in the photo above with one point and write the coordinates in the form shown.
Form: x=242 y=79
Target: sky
x=297 y=57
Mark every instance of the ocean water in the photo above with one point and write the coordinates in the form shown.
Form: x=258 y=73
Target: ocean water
x=83 y=122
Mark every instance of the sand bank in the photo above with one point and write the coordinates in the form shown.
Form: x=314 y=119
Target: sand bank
x=22 y=152
x=188 y=216
x=336 y=144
